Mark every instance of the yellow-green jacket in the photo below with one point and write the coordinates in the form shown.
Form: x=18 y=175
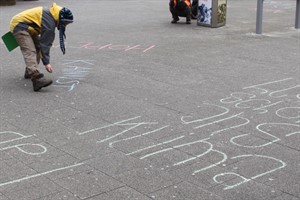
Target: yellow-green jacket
x=38 y=21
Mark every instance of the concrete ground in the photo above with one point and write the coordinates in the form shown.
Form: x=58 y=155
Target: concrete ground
x=144 y=109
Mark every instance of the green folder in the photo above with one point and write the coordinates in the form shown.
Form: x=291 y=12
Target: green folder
x=10 y=41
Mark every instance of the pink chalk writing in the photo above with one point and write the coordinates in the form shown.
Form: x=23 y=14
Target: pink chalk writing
x=109 y=46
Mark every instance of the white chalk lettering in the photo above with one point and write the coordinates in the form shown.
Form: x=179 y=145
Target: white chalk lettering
x=27 y=148
x=73 y=73
x=38 y=175
x=263 y=90
x=238 y=113
x=244 y=179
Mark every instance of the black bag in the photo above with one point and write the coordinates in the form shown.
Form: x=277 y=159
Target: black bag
x=194 y=9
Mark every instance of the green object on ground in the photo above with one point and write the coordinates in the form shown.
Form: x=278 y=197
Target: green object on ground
x=10 y=41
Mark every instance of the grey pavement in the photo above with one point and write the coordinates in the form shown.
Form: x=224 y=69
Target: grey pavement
x=143 y=109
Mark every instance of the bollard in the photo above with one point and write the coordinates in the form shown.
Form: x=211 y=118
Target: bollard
x=259 y=16
x=297 y=21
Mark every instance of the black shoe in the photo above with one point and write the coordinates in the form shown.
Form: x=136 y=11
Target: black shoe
x=26 y=75
x=174 y=21
x=40 y=81
x=188 y=21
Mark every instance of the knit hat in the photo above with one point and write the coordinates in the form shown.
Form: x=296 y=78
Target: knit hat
x=65 y=16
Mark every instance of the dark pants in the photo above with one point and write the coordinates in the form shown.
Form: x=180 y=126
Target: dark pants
x=181 y=10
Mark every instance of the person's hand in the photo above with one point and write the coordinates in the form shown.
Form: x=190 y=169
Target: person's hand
x=48 y=68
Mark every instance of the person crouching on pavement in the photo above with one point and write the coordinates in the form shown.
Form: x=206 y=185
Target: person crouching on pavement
x=34 y=30
x=180 y=8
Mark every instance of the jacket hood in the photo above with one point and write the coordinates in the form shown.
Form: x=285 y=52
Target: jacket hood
x=54 y=10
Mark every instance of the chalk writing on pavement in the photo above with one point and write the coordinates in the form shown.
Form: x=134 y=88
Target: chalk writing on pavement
x=14 y=141
x=73 y=72
x=254 y=115
x=110 y=47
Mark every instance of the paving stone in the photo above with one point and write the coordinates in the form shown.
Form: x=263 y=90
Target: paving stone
x=147 y=180
x=121 y=193
x=116 y=163
x=286 y=197
x=200 y=173
x=88 y=184
x=64 y=195
x=249 y=190
x=184 y=190
x=35 y=191
x=288 y=183
x=92 y=148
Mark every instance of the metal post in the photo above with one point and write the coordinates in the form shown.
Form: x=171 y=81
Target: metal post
x=297 y=21
x=259 y=16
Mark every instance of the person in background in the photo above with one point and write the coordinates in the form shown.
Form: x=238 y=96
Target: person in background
x=180 y=8
x=34 y=30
